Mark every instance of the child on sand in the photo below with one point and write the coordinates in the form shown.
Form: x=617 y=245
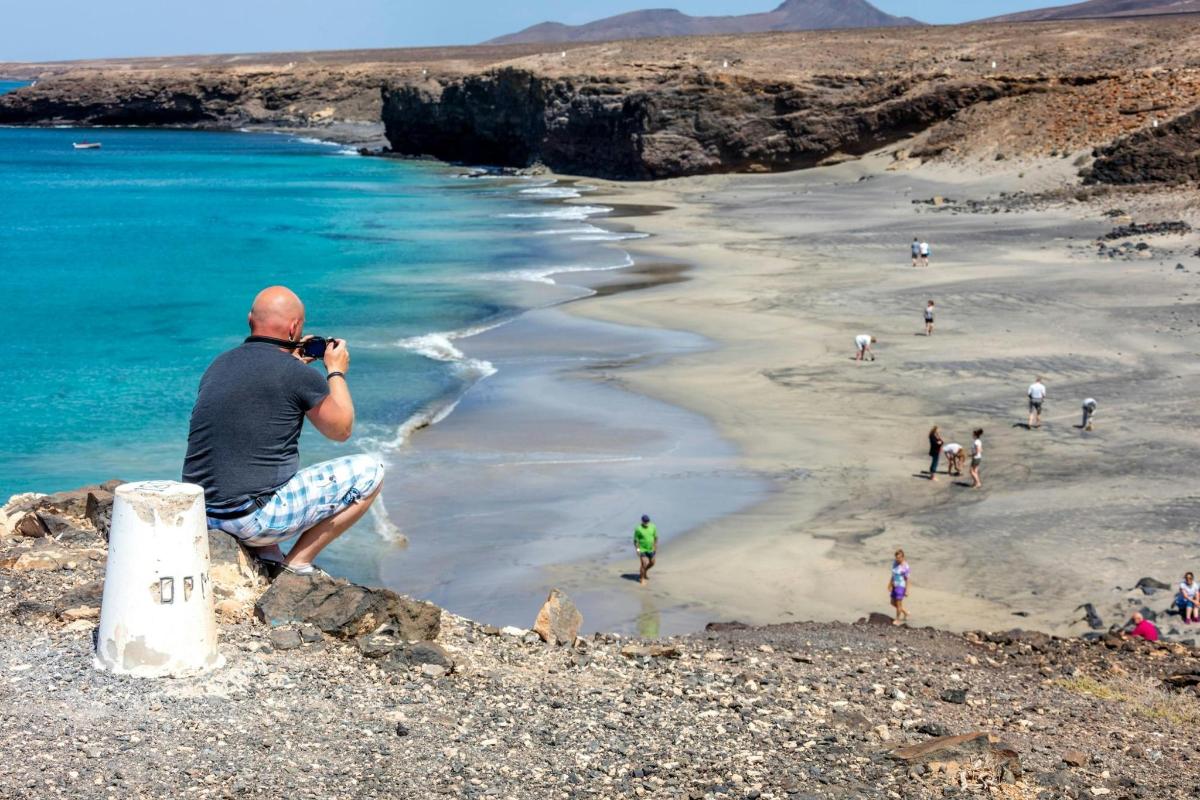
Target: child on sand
x=935 y=451
x=976 y=459
x=898 y=587
x=1189 y=599
x=929 y=319
x=954 y=458
x=863 y=343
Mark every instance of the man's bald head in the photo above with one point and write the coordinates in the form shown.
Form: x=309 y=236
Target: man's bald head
x=277 y=312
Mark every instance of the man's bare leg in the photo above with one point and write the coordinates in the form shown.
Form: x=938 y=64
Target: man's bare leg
x=318 y=537
x=270 y=552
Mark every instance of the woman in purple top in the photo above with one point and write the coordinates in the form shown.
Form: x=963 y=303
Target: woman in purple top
x=898 y=587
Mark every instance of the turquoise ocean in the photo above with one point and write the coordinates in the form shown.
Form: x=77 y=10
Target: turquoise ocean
x=125 y=270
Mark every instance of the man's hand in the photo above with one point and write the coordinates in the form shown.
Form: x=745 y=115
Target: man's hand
x=298 y=353
x=337 y=356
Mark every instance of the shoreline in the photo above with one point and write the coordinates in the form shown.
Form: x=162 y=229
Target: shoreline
x=841 y=499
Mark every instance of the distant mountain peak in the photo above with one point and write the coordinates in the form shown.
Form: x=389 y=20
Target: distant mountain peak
x=790 y=15
x=1096 y=9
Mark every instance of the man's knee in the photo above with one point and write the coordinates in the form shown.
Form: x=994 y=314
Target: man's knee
x=368 y=476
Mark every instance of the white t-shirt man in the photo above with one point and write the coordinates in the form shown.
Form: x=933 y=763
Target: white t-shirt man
x=1037 y=392
x=925 y=249
x=863 y=341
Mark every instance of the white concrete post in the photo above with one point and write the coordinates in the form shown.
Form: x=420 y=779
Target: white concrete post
x=157 y=614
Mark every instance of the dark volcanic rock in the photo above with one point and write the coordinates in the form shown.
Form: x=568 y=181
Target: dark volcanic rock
x=1169 y=153
x=345 y=609
x=1148 y=229
x=696 y=123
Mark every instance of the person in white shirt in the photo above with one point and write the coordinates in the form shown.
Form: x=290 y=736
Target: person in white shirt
x=976 y=459
x=924 y=254
x=954 y=458
x=1037 y=396
x=1189 y=599
x=1089 y=411
x=863 y=342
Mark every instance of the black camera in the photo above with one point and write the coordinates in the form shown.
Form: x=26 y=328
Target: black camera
x=315 y=346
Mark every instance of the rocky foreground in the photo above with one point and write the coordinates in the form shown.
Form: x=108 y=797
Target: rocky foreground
x=669 y=107
x=365 y=694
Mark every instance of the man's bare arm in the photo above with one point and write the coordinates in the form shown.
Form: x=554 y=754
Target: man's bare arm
x=334 y=416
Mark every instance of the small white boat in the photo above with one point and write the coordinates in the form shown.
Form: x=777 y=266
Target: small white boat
x=86 y=145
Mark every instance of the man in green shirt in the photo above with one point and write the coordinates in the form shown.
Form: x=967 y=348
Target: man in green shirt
x=645 y=539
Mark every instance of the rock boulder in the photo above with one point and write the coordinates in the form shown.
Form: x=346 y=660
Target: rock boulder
x=559 y=620
x=345 y=609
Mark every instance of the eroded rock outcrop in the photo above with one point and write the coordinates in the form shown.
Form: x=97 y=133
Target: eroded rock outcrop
x=686 y=124
x=345 y=609
x=1167 y=154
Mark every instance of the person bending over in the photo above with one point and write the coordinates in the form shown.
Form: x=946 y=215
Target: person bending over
x=954 y=458
x=862 y=345
x=645 y=540
x=1143 y=628
x=243 y=441
x=1089 y=412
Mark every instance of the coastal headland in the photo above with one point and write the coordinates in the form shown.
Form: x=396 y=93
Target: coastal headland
x=664 y=108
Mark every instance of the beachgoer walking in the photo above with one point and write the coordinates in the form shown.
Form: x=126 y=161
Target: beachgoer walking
x=863 y=343
x=1037 y=396
x=1089 y=412
x=924 y=253
x=935 y=451
x=976 y=459
x=916 y=251
x=243 y=442
x=898 y=587
x=645 y=540
x=929 y=318
x=1143 y=628
x=1188 y=599
x=954 y=458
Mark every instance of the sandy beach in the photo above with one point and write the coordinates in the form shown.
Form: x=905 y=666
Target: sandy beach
x=788 y=268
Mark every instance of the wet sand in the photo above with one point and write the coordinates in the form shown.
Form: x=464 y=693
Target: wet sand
x=787 y=270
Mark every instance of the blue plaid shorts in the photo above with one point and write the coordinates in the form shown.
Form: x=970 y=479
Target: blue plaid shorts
x=313 y=494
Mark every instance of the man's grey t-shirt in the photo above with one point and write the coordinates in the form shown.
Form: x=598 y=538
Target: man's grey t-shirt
x=245 y=432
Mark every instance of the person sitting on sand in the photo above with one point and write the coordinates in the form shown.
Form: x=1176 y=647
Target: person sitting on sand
x=976 y=459
x=929 y=318
x=1037 y=396
x=243 y=442
x=924 y=254
x=1089 y=411
x=916 y=251
x=1188 y=599
x=645 y=540
x=863 y=343
x=935 y=451
x=954 y=458
x=898 y=587
x=1143 y=628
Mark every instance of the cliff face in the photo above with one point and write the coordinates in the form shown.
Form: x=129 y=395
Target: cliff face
x=198 y=98
x=685 y=125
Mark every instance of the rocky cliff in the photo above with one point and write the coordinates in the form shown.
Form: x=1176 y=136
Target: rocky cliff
x=689 y=124
x=1167 y=154
x=197 y=97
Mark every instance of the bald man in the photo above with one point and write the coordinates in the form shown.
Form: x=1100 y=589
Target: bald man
x=244 y=440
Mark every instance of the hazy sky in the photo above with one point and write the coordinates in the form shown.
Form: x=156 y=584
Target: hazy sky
x=44 y=30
